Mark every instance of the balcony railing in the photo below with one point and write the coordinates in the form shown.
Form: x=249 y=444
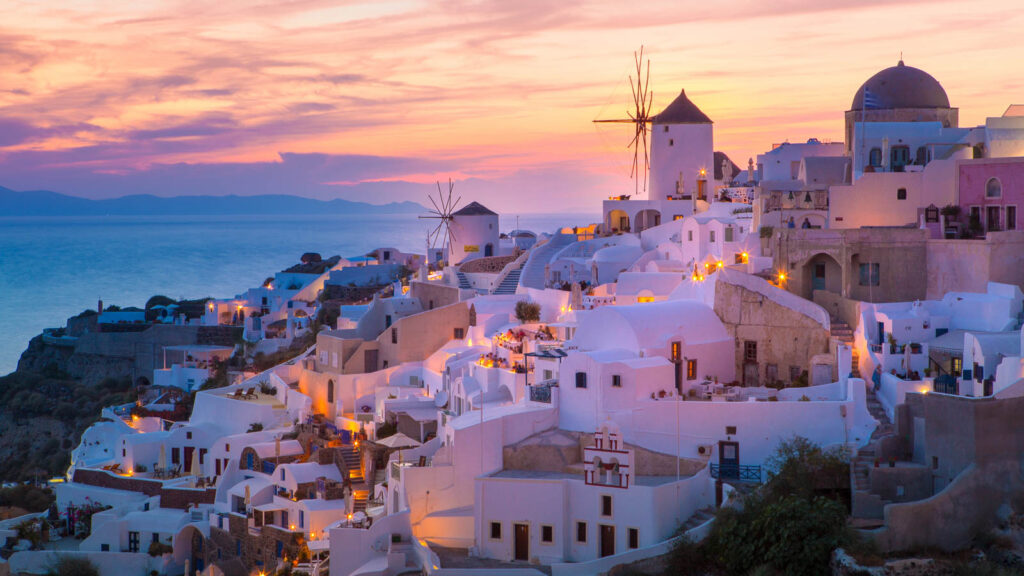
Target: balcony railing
x=540 y=394
x=736 y=472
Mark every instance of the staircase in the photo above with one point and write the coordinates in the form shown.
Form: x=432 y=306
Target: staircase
x=509 y=283
x=359 y=500
x=699 y=517
x=350 y=454
x=463 y=281
x=843 y=333
x=533 y=272
x=867 y=507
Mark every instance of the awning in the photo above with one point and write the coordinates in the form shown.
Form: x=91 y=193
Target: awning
x=548 y=353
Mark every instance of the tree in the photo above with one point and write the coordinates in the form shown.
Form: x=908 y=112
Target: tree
x=159 y=300
x=527 y=311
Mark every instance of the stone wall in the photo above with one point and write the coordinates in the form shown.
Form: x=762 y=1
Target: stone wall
x=256 y=548
x=968 y=265
x=177 y=498
x=785 y=337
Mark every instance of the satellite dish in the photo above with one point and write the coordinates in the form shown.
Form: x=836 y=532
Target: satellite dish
x=441 y=400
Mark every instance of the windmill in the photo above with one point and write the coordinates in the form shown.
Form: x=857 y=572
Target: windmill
x=444 y=210
x=639 y=117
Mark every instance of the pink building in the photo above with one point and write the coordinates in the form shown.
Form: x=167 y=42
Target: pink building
x=990 y=192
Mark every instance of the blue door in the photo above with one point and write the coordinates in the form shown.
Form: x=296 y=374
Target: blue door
x=819 y=276
x=249 y=461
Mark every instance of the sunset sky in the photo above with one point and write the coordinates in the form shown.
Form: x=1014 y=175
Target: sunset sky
x=375 y=100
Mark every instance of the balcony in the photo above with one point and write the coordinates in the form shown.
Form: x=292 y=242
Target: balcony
x=736 y=472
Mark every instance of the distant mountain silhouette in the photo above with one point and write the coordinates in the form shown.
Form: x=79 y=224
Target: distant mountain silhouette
x=46 y=203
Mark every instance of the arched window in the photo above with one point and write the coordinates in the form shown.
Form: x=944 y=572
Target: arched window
x=875 y=157
x=993 y=188
x=330 y=391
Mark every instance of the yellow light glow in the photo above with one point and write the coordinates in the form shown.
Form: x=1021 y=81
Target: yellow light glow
x=357 y=443
x=292 y=527
x=349 y=516
x=312 y=535
x=720 y=264
x=782 y=275
x=703 y=172
x=469 y=341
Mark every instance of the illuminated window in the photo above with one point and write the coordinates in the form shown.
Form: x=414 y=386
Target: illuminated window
x=677 y=351
x=691 y=369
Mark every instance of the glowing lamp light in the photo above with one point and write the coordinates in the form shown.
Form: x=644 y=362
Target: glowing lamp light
x=782 y=276
x=720 y=264
x=357 y=443
x=312 y=535
x=292 y=527
x=703 y=172
x=349 y=516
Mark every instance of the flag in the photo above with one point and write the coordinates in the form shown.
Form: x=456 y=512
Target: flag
x=871 y=100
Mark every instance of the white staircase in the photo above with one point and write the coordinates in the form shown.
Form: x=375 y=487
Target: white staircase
x=532 y=275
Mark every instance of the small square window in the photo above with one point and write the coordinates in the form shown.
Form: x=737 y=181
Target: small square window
x=616 y=381
x=547 y=534
x=606 y=505
x=495 y=530
x=188 y=435
x=581 y=532
x=901 y=194
x=460 y=333
x=730 y=430
x=227 y=447
x=634 y=538
x=394 y=335
x=581 y=379
x=671 y=142
x=104 y=547
x=711 y=236
x=689 y=235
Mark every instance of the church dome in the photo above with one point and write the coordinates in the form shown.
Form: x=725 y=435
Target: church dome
x=901 y=86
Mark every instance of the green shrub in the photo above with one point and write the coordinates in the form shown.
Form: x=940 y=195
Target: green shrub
x=527 y=311
x=158 y=548
x=73 y=566
x=255 y=427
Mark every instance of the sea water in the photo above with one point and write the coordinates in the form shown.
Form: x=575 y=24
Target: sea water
x=53 y=268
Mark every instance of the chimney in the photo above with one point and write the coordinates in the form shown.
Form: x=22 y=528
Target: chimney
x=99 y=306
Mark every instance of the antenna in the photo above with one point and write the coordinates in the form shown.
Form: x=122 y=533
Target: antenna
x=444 y=210
x=639 y=116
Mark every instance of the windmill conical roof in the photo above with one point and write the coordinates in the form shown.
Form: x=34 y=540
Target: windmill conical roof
x=475 y=209
x=681 y=111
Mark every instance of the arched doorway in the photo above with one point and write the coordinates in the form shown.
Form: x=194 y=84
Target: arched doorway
x=618 y=221
x=489 y=250
x=822 y=272
x=647 y=219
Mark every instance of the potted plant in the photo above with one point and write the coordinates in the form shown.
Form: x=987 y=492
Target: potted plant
x=927 y=372
x=892 y=343
x=915 y=348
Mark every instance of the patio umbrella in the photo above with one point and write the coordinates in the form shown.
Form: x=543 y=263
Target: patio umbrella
x=247 y=495
x=161 y=462
x=399 y=441
x=347 y=489
x=195 y=463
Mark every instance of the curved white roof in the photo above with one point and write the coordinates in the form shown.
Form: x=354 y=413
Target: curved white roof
x=269 y=450
x=309 y=471
x=659 y=283
x=643 y=326
x=623 y=254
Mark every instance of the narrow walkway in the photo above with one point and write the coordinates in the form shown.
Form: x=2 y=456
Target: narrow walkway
x=870 y=512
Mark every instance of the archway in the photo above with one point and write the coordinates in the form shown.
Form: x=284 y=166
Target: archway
x=646 y=219
x=618 y=221
x=822 y=272
x=488 y=250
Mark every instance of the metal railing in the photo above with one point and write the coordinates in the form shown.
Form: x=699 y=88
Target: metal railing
x=540 y=394
x=736 y=472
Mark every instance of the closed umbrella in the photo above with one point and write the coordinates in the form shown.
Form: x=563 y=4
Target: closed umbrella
x=195 y=463
x=161 y=462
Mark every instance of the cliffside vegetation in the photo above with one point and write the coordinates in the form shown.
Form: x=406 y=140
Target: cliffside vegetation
x=42 y=417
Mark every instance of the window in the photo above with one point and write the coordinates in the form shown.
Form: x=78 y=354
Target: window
x=931 y=214
x=460 y=333
x=1011 y=217
x=188 y=435
x=133 y=541
x=730 y=430
x=689 y=235
x=728 y=234
x=616 y=381
x=901 y=194
x=581 y=532
x=712 y=236
x=922 y=156
x=993 y=188
x=750 y=351
x=671 y=142
x=691 y=369
x=875 y=157
x=794 y=373
x=175 y=455
x=279 y=549
x=227 y=447
x=935 y=462
x=387 y=321
x=548 y=374
x=547 y=534
x=606 y=505
x=634 y=538
x=581 y=379
x=771 y=372
x=202 y=456
x=899 y=157
x=394 y=335
x=869 y=274
x=104 y=547
x=495 y=530
x=238 y=548
x=387 y=255
x=155 y=537
x=677 y=351
x=330 y=391
x=302 y=518
x=666 y=128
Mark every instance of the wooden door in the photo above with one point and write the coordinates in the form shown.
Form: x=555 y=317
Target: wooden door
x=607 y=540
x=186 y=465
x=522 y=542
x=729 y=459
